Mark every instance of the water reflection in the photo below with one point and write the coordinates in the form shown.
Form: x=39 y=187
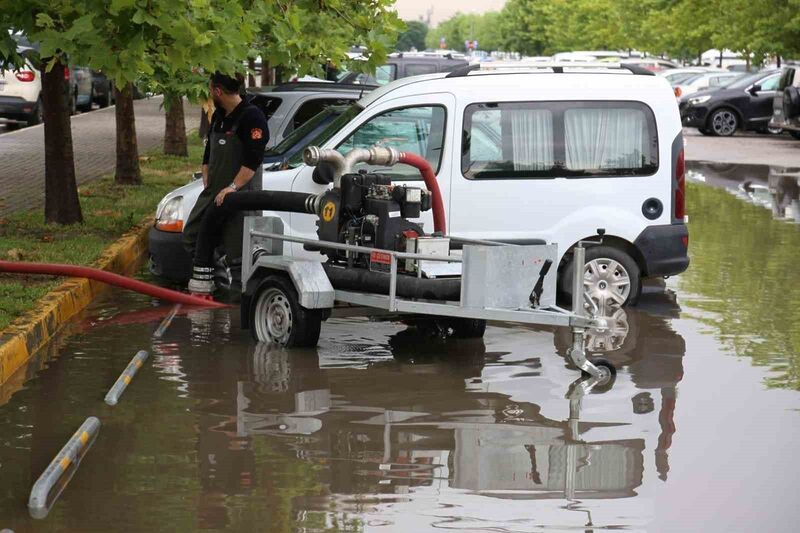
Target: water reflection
x=380 y=414
x=772 y=187
x=742 y=280
x=418 y=415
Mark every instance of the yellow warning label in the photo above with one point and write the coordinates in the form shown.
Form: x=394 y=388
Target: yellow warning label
x=328 y=211
x=84 y=438
x=126 y=379
x=65 y=463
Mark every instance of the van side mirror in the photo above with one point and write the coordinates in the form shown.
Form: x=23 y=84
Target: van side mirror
x=323 y=173
x=755 y=89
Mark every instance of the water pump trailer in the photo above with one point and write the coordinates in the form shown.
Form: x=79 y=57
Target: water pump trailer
x=374 y=254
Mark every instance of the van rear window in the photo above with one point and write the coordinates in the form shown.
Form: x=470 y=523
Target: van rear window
x=514 y=140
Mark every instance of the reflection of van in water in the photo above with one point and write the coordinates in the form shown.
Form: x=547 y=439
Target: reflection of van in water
x=587 y=149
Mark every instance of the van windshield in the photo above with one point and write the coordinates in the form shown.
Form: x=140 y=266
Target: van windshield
x=310 y=125
x=323 y=136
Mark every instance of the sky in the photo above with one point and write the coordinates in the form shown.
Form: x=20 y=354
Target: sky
x=444 y=9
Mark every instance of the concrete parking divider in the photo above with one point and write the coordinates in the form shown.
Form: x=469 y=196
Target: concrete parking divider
x=53 y=479
x=125 y=378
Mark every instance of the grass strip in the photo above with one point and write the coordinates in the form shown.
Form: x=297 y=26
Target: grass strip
x=109 y=211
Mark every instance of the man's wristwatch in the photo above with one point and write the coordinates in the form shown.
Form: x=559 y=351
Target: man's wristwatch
x=233 y=186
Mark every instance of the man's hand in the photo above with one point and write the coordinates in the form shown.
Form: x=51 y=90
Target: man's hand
x=222 y=194
x=205 y=176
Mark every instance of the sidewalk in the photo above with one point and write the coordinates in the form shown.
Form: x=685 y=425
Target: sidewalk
x=93 y=140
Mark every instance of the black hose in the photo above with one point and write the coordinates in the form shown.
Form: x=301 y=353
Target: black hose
x=294 y=202
x=361 y=279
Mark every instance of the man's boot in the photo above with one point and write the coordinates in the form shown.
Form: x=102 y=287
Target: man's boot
x=202 y=282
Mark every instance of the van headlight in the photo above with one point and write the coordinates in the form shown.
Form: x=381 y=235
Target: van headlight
x=168 y=215
x=699 y=99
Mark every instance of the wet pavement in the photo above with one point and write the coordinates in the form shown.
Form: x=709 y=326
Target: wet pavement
x=384 y=429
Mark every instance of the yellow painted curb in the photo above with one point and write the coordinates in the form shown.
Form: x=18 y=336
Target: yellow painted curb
x=25 y=336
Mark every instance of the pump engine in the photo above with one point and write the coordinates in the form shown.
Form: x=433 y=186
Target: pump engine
x=367 y=210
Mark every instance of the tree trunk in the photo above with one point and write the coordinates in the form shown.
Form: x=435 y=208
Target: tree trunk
x=175 y=129
x=251 y=68
x=265 y=73
x=61 y=205
x=127 y=172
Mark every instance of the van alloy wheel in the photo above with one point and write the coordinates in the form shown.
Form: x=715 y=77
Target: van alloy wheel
x=724 y=122
x=606 y=281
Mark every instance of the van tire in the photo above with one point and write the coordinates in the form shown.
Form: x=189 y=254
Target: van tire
x=605 y=256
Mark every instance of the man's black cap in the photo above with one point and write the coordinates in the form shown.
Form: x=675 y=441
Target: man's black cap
x=228 y=83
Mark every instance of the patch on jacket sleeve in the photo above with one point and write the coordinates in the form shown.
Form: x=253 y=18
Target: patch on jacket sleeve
x=256 y=134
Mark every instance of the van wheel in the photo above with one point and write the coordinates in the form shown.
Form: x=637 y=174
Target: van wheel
x=724 y=122
x=277 y=317
x=611 y=277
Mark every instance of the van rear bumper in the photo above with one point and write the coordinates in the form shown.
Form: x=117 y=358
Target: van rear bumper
x=664 y=249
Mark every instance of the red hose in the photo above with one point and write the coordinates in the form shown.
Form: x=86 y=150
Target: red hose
x=421 y=164
x=52 y=269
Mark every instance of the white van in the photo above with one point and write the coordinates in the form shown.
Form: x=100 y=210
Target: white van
x=550 y=154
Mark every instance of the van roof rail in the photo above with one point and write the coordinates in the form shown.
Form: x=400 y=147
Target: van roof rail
x=313 y=86
x=557 y=67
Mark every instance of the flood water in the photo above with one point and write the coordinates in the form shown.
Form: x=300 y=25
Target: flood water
x=383 y=429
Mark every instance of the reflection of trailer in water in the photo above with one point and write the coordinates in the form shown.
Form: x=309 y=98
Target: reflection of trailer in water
x=522 y=456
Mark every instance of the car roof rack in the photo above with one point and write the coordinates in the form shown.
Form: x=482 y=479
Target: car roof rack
x=556 y=67
x=313 y=86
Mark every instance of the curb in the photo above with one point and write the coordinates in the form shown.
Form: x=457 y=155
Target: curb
x=20 y=341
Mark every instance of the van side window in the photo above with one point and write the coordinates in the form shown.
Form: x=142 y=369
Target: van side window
x=419 y=130
x=558 y=139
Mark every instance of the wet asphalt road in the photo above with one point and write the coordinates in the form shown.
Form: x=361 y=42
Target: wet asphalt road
x=383 y=429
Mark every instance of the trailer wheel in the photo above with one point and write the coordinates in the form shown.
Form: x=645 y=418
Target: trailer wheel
x=607 y=381
x=277 y=317
x=466 y=328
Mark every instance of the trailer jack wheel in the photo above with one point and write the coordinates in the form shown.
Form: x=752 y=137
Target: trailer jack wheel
x=608 y=374
x=278 y=318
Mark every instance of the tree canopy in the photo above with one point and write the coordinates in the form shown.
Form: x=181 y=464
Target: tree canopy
x=413 y=36
x=680 y=28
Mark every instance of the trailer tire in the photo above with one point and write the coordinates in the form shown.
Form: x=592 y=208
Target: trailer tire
x=276 y=315
x=465 y=328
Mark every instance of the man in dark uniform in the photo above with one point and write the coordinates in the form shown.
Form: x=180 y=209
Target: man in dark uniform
x=232 y=162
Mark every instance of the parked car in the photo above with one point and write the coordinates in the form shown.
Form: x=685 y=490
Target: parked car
x=612 y=137
x=746 y=103
x=786 y=104
x=704 y=81
x=677 y=75
x=290 y=105
x=80 y=85
x=102 y=89
x=403 y=65
x=296 y=113
x=653 y=64
x=20 y=96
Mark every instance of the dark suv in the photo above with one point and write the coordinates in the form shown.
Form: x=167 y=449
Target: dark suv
x=786 y=105
x=403 y=65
